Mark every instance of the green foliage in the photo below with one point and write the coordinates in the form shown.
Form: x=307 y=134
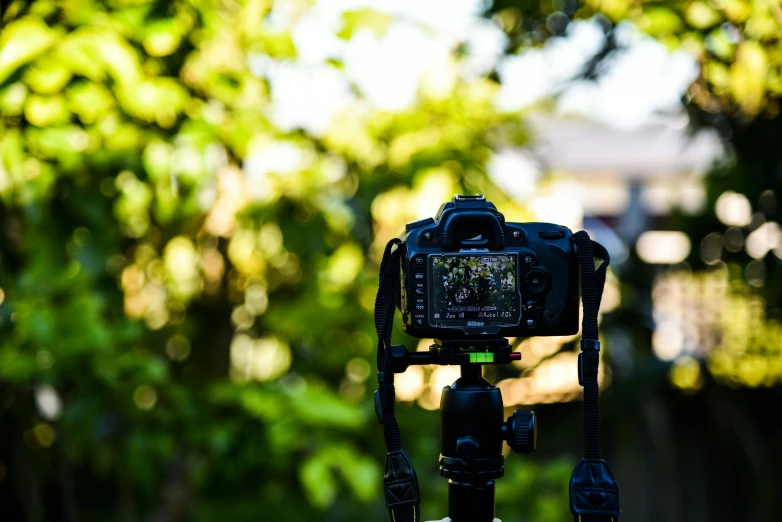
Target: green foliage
x=208 y=330
x=736 y=43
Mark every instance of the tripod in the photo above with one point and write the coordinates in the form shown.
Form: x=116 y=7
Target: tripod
x=471 y=423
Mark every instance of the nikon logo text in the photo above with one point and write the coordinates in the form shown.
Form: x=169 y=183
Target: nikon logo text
x=474 y=323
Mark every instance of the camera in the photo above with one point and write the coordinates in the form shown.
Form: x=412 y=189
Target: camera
x=467 y=272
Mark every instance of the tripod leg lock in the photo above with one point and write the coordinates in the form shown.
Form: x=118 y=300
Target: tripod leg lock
x=594 y=493
x=400 y=481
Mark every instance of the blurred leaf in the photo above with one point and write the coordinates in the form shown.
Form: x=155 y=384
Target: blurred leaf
x=701 y=16
x=46 y=110
x=660 y=20
x=318 y=481
x=47 y=76
x=193 y=279
x=89 y=101
x=720 y=43
x=361 y=473
x=162 y=37
x=321 y=407
x=21 y=41
x=748 y=76
x=718 y=75
x=737 y=11
x=352 y=21
x=262 y=404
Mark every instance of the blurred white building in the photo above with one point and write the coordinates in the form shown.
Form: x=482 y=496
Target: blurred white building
x=629 y=176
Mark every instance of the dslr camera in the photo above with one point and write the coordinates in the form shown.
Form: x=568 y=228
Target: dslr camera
x=467 y=272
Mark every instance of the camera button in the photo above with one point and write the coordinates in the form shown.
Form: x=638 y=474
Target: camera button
x=419 y=277
x=530 y=323
x=419 y=291
x=419 y=322
x=419 y=261
x=419 y=307
x=536 y=281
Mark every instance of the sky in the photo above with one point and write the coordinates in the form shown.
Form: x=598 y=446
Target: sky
x=641 y=80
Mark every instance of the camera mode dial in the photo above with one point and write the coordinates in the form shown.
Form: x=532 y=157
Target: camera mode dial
x=420 y=223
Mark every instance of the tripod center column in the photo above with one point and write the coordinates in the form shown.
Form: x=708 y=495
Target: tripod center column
x=471 y=419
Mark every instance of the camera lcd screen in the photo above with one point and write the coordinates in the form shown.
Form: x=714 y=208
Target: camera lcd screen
x=473 y=290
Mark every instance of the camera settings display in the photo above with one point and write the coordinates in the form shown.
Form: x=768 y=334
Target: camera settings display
x=473 y=290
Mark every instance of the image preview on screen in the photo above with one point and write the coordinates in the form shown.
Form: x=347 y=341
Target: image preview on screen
x=474 y=290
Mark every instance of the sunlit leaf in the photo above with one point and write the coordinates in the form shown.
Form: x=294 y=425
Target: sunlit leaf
x=701 y=15
x=12 y=99
x=353 y=21
x=614 y=9
x=89 y=101
x=762 y=24
x=162 y=37
x=748 y=76
x=21 y=41
x=46 y=110
x=47 y=76
x=718 y=75
x=737 y=11
x=158 y=99
x=660 y=20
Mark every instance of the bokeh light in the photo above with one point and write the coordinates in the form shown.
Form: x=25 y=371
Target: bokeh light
x=733 y=209
x=663 y=247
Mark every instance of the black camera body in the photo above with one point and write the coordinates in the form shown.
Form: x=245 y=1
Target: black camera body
x=468 y=273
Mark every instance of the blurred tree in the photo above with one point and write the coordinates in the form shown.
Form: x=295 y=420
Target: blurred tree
x=727 y=317
x=737 y=92
x=734 y=41
x=185 y=284
x=724 y=319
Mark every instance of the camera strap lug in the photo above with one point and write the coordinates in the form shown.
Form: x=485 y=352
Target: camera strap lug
x=594 y=494
x=401 y=487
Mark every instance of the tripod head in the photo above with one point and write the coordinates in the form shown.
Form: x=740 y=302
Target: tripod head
x=472 y=428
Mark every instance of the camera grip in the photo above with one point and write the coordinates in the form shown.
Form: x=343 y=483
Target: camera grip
x=557 y=264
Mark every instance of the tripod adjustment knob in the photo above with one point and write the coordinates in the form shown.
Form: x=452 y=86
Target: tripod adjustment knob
x=521 y=431
x=466 y=447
